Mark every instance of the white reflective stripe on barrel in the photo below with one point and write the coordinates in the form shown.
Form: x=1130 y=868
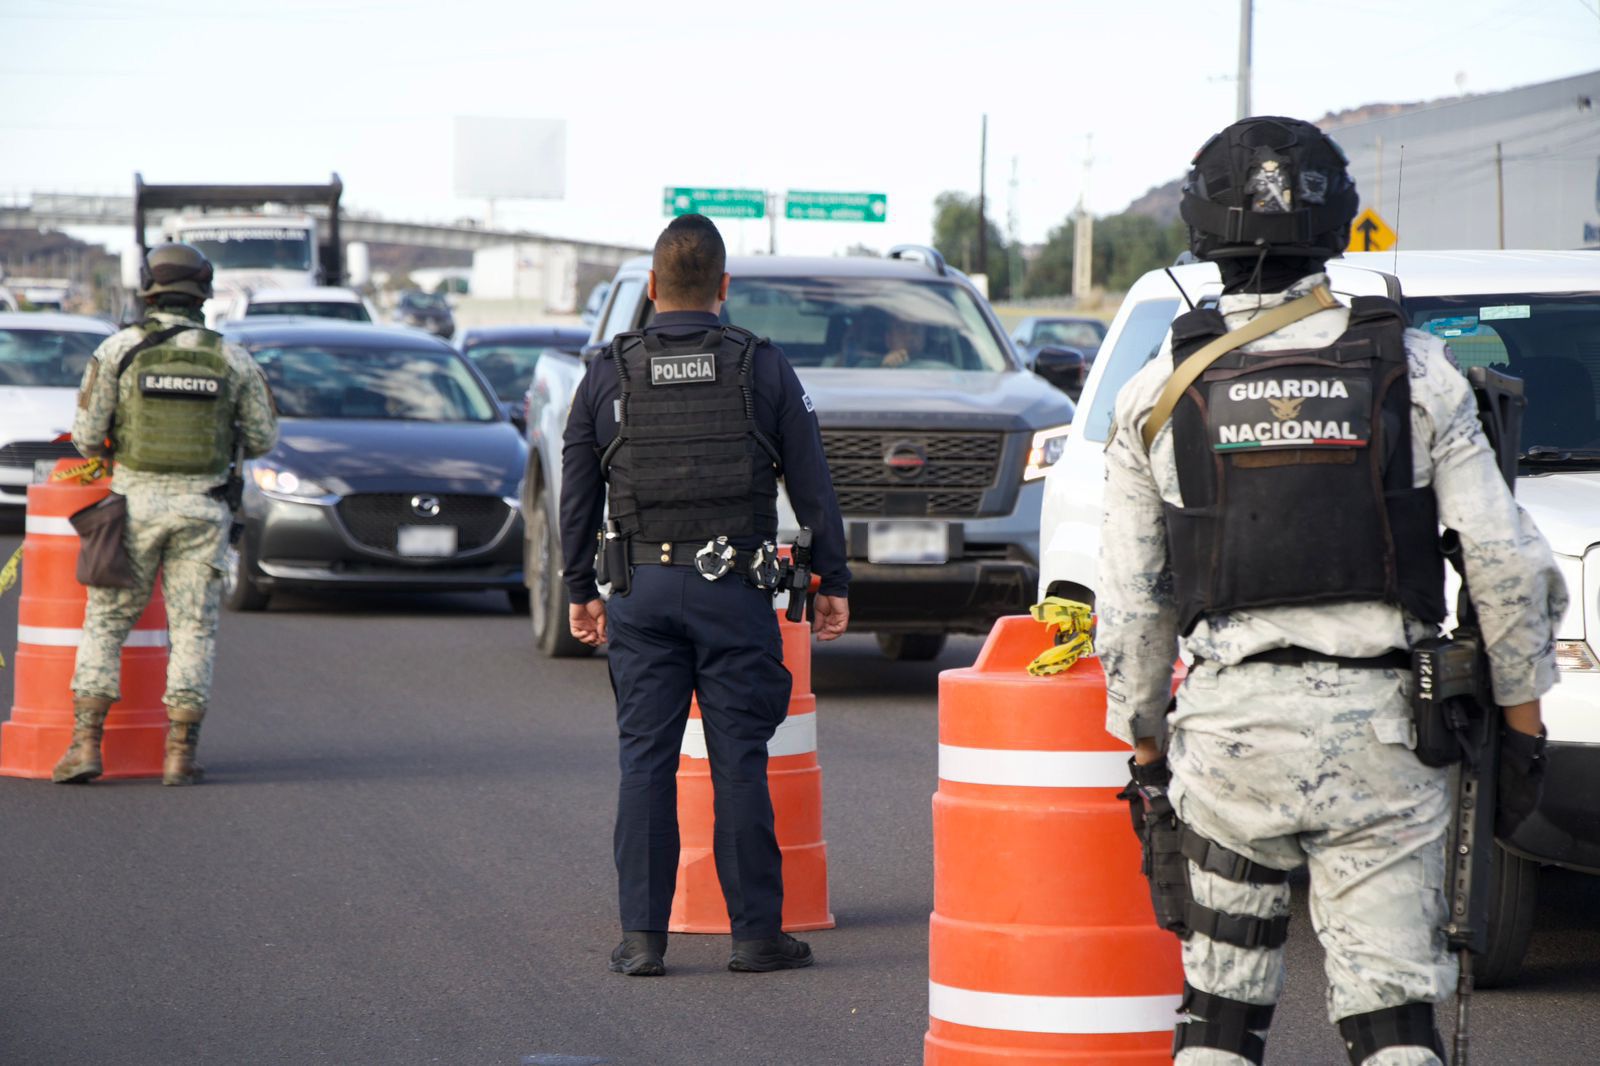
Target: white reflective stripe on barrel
x=61 y=637
x=1033 y=769
x=797 y=735
x=48 y=526
x=1052 y=1014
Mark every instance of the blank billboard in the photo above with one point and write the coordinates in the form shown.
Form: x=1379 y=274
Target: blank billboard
x=511 y=158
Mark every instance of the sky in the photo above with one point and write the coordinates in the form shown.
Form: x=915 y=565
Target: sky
x=861 y=96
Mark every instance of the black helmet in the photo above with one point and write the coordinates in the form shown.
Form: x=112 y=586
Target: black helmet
x=1277 y=186
x=176 y=268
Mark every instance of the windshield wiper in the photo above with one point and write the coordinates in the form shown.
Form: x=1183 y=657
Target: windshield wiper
x=1547 y=453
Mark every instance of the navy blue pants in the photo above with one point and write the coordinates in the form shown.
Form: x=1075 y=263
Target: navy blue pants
x=675 y=635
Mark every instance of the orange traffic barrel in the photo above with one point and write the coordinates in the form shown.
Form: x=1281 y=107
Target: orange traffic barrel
x=1042 y=948
x=49 y=628
x=795 y=780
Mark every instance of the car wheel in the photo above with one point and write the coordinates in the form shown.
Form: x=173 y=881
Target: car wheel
x=911 y=647
x=547 y=597
x=519 y=600
x=1513 y=896
x=239 y=590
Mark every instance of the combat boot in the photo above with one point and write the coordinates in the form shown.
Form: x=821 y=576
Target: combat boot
x=179 y=767
x=81 y=764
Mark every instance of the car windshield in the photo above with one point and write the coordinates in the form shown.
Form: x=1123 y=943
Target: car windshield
x=865 y=323
x=509 y=367
x=253 y=247
x=423 y=301
x=1069 y=334
x=410 y=384
x=1550 y=341
x=349 y=312
x=45 y=358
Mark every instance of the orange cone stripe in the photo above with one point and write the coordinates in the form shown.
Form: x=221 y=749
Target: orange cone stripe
x=1033 y=769
x=48 y=526
x=64 y=637
x=1052 y=1014
x=797 y=735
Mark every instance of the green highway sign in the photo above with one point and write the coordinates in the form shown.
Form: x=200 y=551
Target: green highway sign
x=715 y=203
x=836 y=206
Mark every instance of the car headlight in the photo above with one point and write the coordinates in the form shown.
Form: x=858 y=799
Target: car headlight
x=1045 y=451
x=277 y=482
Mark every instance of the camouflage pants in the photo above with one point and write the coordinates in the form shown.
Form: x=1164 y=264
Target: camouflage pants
x=182 y=538
x=1293 y=765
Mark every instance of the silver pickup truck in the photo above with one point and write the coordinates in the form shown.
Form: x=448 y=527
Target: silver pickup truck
x=937 y=438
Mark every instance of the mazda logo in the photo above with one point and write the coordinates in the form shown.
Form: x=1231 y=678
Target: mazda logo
x=425 y=506
x=905 y=459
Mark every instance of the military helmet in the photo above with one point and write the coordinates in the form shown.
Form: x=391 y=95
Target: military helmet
x=1274 y=186
x=177 y=268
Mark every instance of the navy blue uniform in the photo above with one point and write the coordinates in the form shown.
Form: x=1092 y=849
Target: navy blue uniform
x=675 y=634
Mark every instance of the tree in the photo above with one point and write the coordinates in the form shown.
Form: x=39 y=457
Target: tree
x=955 y=236
x=1125 y=247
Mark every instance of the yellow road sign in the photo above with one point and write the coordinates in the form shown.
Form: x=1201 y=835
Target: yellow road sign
x=1370 y=233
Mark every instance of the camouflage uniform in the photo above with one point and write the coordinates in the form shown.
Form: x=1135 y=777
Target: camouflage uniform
x=174 y=526
x=1312 y=763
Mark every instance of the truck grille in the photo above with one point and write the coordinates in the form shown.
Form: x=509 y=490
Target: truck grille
x=27 y=452
x=910 y=473
x=374 y=518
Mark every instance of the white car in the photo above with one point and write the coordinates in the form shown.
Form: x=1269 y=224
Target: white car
x=1534 y=315
x=321 y=302
x=42 y=360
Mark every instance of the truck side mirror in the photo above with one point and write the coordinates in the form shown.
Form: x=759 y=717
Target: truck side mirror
x=1065 y=368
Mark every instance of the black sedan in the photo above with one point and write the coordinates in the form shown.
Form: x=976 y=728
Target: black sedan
x=395 y=468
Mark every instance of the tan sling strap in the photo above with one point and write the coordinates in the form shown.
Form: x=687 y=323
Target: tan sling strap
x=1318 y=299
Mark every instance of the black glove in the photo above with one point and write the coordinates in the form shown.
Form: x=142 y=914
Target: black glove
x=1160 y=837
x=1522 y=766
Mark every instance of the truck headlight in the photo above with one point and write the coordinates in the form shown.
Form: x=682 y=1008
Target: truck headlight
x=1045 y=450
x=1575 y=655
x=285 y=484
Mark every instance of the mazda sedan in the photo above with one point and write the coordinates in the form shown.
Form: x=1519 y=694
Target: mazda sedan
x=395 y=468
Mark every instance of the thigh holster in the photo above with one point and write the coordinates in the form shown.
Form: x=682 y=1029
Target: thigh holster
x=1408 y=1025
x=1240 y=930
x=1222 y=1024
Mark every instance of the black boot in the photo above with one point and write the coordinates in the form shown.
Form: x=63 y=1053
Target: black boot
x=781 y=952
x=639 y=954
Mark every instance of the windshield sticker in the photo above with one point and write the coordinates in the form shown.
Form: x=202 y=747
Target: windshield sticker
x=244 y=233
x=1491 y=314
x=1453 y=326
x=1289 y=412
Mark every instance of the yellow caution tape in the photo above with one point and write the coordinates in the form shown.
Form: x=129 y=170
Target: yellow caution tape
x=8 y=577
x=84 y=472
x=1070 y=624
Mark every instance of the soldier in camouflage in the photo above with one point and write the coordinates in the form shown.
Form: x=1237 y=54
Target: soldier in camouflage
x=1290 y=742
x=168 y=400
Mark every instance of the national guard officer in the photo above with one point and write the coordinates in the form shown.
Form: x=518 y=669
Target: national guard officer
x=170 y=402
x=1278 y=508
x=690 y=424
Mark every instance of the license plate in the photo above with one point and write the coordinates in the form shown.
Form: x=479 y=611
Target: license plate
x=908 y=542
x=431 y=542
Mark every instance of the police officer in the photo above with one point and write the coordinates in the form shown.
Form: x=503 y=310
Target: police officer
x=691 y=423
x=168 y=400
x=1278 y=509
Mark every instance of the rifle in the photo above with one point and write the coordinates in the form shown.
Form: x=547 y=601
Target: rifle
x=232 y=492
x=1458 y=720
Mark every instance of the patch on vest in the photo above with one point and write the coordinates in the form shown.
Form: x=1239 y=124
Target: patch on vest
x=185 y=386
x=1287 y=412
x=697 y=369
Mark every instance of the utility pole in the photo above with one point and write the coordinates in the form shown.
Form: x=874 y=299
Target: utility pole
x=1083 y=234
x=1500 y=191
x=983 y=226
x=772 y=223
x=1379 y=207
x=1014 y=275
x=1244 y=58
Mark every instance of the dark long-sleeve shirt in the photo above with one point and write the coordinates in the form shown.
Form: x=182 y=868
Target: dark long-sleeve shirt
x=783 y=413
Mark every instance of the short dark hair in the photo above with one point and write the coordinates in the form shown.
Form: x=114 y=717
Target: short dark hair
x=689 y=262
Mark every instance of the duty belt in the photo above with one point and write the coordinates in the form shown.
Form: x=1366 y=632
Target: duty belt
x=712 y=559
x=1392 y=660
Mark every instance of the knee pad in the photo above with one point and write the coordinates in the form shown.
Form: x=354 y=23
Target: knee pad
x=1222 y=1024
x=1408 y=1025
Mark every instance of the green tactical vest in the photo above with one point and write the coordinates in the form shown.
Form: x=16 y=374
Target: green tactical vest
x=175 y=406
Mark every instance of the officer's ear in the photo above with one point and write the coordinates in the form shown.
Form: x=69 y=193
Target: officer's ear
x=650 y=286
x=722 y=289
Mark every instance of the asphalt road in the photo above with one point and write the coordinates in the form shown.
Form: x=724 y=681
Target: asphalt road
x=402 y=855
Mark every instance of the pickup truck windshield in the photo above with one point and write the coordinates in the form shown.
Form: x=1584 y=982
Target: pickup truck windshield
x=405 y=385
x=252 y=247
x=1549 y=340
x=866 y=323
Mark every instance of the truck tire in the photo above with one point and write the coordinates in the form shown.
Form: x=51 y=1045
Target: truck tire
x=1513 y=897
x=239 y=590
x=911 y=647
x=547 y=596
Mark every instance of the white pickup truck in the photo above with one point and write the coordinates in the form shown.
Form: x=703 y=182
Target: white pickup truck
x=1534 y=315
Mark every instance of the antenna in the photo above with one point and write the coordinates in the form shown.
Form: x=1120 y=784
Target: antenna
x=1179 y=285
x=1399 y=199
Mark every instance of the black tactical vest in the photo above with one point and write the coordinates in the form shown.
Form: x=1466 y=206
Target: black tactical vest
x=1296 y=474
x=688 y=462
